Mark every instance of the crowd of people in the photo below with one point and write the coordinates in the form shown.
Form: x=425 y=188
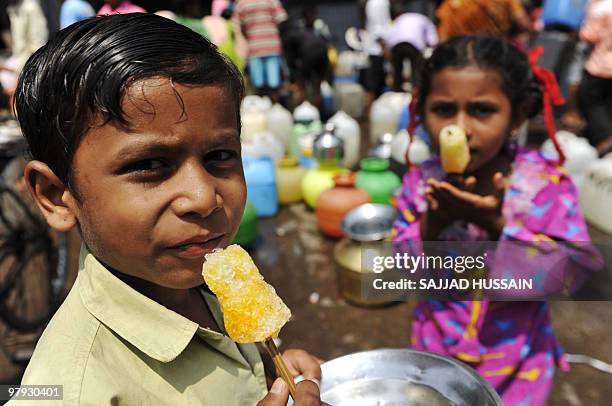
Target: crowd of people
x=141 y=273
x=282 y=54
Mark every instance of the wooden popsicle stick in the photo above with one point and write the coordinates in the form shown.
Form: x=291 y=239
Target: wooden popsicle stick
x=280 y=365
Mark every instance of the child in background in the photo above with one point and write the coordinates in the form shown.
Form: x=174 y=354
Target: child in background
x=133 y=122
x=259 y=22
x=28 y=33
x=487 y=87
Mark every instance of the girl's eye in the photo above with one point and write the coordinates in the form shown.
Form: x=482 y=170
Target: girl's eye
x=443 y=109
x=481 y=110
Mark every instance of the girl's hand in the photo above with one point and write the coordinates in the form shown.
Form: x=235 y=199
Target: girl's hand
x=449 y=202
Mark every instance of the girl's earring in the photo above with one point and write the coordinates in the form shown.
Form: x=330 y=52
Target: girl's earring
x=511 y=145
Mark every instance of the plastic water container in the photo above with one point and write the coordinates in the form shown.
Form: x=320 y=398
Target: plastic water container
x=419 y=131
x=376 y=179
x=419 y=150
x=596 y=194
x=350 y=97
x=280 y=122
x=253 y=123
x=255 y=103
x=348 y=129
x=327 y=100
x=578 y=152
x=568 y=13
x=260 y=178
x=289 y=177
x=247 y=232
x=263 y=145
x=385 y=114
x=306 y=113
x=345 y=66
x=301 y=139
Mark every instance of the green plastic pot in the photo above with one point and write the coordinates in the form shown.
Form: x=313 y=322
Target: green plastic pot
x=376 y=179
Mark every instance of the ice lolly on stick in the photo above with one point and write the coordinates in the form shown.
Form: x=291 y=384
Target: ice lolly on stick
x=252 y=311
x=454 y=150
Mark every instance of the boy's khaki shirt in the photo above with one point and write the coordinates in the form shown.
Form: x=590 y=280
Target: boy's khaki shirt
x=109 y=344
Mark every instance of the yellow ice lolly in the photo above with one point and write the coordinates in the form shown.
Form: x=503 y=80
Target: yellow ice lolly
x=454 y=150
x=252 y=311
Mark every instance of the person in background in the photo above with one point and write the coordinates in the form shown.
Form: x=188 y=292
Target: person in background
x=73 y=11
x=512 y=196
x=409 y=36
x=218 y=6
x=481 y=17
x=596 y=86
x=377 y=23
x=120 y=7
x=225 y=35
x=189 y=14
x=28 y=33
x=306 y=53
x=259 y=21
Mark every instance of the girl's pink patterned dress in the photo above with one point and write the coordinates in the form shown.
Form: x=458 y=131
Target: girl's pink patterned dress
x=511 y=344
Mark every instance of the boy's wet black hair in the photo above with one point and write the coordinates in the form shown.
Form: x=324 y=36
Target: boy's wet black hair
x=519 y=84
x=81 y=76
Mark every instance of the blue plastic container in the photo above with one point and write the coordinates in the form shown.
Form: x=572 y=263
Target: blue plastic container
x=419 y=130
x=260 y=174
x=566 y=13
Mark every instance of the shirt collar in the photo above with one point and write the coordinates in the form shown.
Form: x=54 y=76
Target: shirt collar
x=133 y=316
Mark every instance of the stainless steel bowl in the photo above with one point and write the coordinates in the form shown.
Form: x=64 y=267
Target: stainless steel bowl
x=369 y=222
x=403 y=377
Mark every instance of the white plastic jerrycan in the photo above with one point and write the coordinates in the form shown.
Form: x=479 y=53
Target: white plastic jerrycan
x=255 y=103
x=596 y=194
x=385 y=114
x=350 y=98
x=306 y=113
x=419 y=150
x=253 y=122
x=579 y=154
x=348 y=129
x=280 y=122
x=263 y=144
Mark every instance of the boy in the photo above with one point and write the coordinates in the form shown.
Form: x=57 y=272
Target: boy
x=134 y=127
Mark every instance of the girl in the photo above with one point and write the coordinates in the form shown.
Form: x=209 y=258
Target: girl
x=488 y=88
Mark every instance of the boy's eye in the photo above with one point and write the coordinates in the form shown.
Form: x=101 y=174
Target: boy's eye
x=146 y=165
x=148 y=169
x=220 y=156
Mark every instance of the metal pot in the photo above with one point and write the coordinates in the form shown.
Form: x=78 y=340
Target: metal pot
x=403 y=377
x=366 y=226
x=328 y=148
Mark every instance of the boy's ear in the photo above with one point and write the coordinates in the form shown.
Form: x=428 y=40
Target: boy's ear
x=53 y=198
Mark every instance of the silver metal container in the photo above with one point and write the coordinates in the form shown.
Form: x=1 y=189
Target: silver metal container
x=403 y=377
x=366 y=223
x=384 y=146
x=369 y=222
x=327 y=147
